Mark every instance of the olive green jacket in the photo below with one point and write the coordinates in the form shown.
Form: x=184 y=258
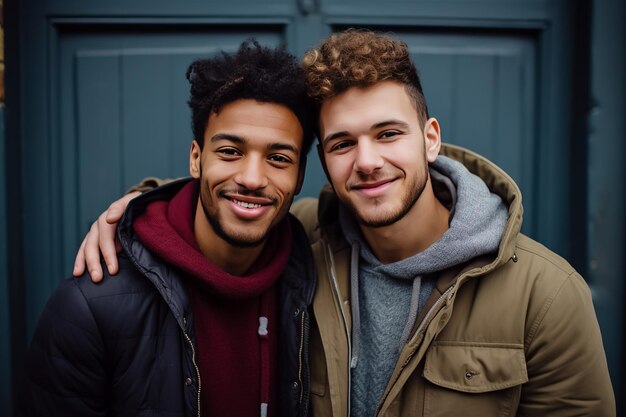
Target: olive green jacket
x=513 y=334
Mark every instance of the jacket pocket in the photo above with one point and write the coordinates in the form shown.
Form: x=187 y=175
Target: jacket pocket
x=473 y=379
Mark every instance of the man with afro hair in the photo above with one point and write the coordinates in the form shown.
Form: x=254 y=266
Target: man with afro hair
x=210 y=312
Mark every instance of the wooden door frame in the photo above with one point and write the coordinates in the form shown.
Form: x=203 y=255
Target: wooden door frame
x=606 y=179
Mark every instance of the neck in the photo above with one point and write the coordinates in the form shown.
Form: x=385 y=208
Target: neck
x=422 y=226
x=231 y=259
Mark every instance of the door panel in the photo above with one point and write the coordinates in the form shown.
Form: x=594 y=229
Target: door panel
x=482 y=89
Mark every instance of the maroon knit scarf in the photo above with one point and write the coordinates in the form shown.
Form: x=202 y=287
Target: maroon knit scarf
x=237 y=362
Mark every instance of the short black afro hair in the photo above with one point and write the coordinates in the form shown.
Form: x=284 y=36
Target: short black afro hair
x=268 y=75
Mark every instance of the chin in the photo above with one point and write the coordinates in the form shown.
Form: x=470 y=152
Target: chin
x=245 y=241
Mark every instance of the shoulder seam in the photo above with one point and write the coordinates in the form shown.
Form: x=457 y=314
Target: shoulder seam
x=561 y=265
x=544 y=311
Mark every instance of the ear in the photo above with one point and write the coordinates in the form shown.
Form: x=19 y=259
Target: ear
x=195 y=159
x=432 y=139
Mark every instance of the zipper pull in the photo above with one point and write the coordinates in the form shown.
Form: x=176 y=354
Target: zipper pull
x=263 y=326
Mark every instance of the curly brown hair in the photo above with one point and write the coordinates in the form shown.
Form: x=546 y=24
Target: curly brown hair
x=361 y=58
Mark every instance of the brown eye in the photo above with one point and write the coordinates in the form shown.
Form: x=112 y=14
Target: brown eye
x=340 y=145
x=389 y=134
x=228 y=152
x=279 y=158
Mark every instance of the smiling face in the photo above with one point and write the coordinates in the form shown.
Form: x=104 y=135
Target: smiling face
x=249 y=170
x=376 y=152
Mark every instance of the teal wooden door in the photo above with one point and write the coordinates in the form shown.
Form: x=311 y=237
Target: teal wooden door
x=103 y=104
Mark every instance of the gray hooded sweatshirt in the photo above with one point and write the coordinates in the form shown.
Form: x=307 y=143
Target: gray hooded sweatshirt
x=386 y=298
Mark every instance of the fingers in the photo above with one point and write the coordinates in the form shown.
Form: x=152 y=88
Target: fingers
x=107 y=240
x=102 y=239
x=79 y=262
x=116 y=209
x=91 y=251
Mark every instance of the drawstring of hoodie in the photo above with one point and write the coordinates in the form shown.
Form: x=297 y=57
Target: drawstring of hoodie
x=356 y=315
x=415 y=294
x=354 y=291
x=264 y=347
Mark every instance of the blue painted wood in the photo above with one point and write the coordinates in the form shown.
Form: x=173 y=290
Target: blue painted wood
x=234 y=10
x=607 y=181
x=481 y=88
x=370 y=11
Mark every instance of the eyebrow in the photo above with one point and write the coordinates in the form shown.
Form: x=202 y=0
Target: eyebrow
x=226 y=136
x=276 y=146
x=391 y=122
x=283 y=147
x=385 y=123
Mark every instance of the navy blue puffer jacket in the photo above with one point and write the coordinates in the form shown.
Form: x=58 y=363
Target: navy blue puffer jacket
x=125 y=347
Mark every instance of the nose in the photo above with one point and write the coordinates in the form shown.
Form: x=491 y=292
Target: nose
x=252 y=175
x=368 y=158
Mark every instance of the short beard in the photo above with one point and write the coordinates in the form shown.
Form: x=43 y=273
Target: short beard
x=231 y=240
x=407 y=205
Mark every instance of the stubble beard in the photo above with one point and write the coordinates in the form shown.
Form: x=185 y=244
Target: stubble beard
x=237 y=241
x=408 y=201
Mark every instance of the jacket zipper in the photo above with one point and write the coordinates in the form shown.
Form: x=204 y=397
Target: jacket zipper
x=331 y=266
x=193 y=360
x=304 y=397
x=420 y=329
x=435 y=306
x=193 y=351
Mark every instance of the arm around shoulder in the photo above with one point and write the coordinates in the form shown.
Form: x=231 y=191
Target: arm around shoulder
x=65 y=364
x=149 y=183
x=567 y=368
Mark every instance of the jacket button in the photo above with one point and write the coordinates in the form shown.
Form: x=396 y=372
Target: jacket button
x=188 y=381
x=296 y=312
x=469 y=375
x=295 y=385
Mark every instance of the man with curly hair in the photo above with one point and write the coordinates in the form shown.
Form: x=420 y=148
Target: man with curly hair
x=429 y=302
x=211 y=313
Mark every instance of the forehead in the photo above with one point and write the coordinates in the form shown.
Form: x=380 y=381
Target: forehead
x=358 y=107
x=256 y=122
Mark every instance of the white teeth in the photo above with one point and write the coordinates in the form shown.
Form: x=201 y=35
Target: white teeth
x=246 y=205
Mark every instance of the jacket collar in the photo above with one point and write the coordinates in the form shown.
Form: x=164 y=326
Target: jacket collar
x=500 y=183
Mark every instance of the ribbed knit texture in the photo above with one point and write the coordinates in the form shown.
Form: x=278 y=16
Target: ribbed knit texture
x=238 y=367
x=391 y=295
